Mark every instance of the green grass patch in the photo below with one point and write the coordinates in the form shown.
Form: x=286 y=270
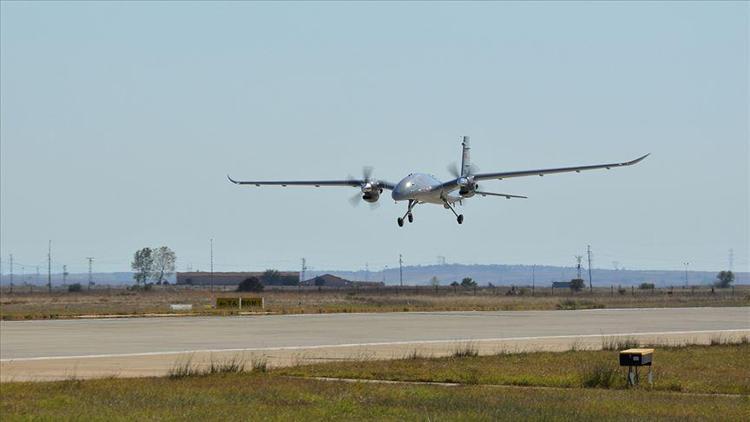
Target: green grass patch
x=264 y=396
x=721 y=368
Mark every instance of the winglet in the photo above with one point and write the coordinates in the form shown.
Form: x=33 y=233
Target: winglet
x=637 y=160
x=232 y=180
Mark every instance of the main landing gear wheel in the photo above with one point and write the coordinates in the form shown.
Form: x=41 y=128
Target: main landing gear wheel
x=460 y=219
x=411 y=218
x=400 y=222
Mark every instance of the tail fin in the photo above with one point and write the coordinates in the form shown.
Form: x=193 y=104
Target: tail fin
x=465 y=158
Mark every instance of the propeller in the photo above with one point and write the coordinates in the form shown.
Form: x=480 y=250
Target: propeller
x=368 y=183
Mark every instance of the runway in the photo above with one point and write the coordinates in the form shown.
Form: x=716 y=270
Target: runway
x=37 y=350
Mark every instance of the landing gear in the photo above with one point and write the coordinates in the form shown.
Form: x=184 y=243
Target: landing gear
x=408 y=214
x=459 y=218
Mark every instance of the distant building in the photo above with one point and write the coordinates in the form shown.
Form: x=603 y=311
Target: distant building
x=202 y=278
x=330 y=280
x=561 y=285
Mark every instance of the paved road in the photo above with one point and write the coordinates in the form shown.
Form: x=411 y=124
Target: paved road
x=121 y=340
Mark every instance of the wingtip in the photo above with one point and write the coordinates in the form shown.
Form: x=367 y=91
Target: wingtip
x=639 y=159
x=231 y=180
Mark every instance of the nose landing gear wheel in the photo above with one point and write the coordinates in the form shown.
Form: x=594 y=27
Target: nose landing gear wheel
x=460 y=219
x=400 y=222
x=411 y=218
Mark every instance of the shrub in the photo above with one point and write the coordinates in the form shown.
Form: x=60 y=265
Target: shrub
x=251 y=284
x=73 y=288
x=646 y=286
x=577 y=284
x=600 y=375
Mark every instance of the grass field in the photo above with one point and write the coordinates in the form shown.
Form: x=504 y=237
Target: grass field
x=723 y=369
x=275 y=395
x=38 y=305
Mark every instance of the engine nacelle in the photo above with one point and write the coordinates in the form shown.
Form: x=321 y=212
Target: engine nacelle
x=371 y=196
x=467 y=186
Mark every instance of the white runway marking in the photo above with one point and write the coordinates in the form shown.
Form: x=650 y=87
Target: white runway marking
x=391 y=343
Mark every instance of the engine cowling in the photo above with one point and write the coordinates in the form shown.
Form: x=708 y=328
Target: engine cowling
x=371 y=192
x=467 y=186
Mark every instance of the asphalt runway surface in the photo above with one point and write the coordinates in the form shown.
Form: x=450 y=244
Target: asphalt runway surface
x=58 y=349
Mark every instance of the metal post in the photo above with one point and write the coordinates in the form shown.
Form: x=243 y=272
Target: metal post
x=591 y=284
x=212 y=265
x=686 y=274
x=49 y=267
x=11 y=273
x=401 y=270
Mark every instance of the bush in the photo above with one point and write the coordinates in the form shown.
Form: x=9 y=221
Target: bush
x=577 y=284
x=599 y=375
x=252 y=284
x=74 y=288
x=724 y=279
x=646 y=286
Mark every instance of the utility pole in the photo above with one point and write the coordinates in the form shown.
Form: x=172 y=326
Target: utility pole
x=91 y=279
x=38 y=277
x=11 y=273
x=212 y=265
x=591 y=284
x=302 y=273
x=731 y=260
x=401 y=270
x=49 y=267
x=65 y=275
x=367 y=271
x=384 y=271
x=533 y=278
x=579 y=258
x=687 y=264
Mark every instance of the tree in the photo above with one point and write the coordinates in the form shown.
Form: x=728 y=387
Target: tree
x=577 y=284
x=252 y=284
x=724 y=279
x=455 y=284
x=646 y=286
x=164 y=259
x=143 y=264
x=74 y=288
x=468 y=282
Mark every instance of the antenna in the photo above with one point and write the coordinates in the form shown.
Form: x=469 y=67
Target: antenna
x=91 y=279
x=591 y=283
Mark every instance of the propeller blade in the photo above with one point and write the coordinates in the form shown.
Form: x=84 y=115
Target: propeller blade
x=453 y=170
x=356 y=199
x=506 y=195
x=367 y=172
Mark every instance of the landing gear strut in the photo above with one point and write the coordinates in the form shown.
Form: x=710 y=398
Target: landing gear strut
x=459 y=217
x=408 y=214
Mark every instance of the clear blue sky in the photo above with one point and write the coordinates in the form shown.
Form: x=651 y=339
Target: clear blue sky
x=121 y=120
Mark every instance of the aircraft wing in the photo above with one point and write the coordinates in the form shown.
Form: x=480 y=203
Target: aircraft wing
x=316 y=183
x=542 y=172
x=453 y=184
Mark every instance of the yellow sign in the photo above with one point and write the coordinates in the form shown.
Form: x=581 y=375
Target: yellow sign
x=239 y=302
